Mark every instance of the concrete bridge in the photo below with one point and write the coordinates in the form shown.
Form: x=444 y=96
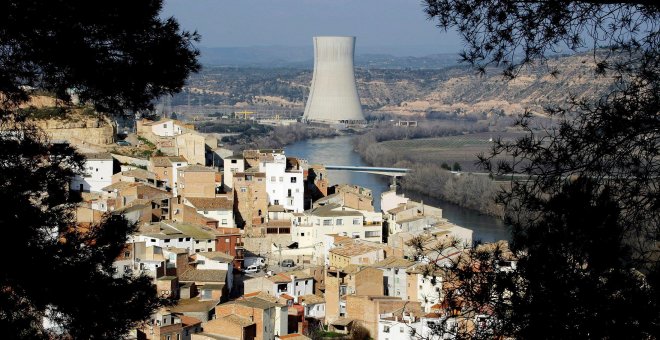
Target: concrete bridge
x=392 y=172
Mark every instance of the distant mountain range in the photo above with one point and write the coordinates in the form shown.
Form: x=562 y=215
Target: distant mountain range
x=303 y=58
x=399 y=85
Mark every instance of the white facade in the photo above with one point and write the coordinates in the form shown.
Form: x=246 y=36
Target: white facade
x=175 y=174
x=284 y=187
x=177 y=241
x=429 y=290
x=232 y=165
x=395 y=281
x=97 y=174
x=204 y=262
x=310 y=228
x=166 y=128
x=225 y=217
x=333 y=96
x=316 y=310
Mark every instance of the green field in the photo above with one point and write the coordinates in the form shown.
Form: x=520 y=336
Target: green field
x=462 y=149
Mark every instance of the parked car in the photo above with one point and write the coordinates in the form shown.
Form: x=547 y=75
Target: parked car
x=287 y=263
x=252 y=269
x=123 y=143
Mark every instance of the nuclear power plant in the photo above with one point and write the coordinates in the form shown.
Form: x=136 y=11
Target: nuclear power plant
x=333 y=96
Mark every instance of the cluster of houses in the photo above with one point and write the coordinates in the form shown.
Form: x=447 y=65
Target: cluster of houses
x=325 y=259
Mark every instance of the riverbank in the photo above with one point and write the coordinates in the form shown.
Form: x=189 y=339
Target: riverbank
x=339 y=151
x=424 y=152
x=279 y=137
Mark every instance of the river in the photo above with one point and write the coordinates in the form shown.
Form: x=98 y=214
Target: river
x=339 y=151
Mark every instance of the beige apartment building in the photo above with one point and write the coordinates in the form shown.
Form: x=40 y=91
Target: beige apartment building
x=192 y=146
x=350 y=280
x=250 y=198
x=196 y=181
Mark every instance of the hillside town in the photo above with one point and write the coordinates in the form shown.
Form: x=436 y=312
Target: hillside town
x=259 y=245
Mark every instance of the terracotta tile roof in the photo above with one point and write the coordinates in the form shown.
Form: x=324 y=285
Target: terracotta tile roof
x=188 y=321
x=167 y=161
x=207 y=203
x=119 y=186
x=311 y=299
x=193 y=305
x=217 y=256
x=204 y=275
x=195 y=168
x=160 y=161
x=198 y=232
x=299 y=274
x=104 y=156
x=262 y=295
x=353 y=249
x=394 y=262
x=287 y=296
x=139 y=173
x=333 y=210
x=279 y=278
x=256 y=302
x=237 y=320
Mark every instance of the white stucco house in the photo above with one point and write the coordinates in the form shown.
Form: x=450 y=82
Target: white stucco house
x=98 y=171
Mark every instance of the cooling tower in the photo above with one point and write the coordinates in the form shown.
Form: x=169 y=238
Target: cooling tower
x=333 y=96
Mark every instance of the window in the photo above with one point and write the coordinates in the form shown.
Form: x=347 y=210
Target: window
x=165 y=126
x=226 y=240
x=205 y=211
x=401 y=329
x=281 y=179
x=233 y=161
x=386 y=329
x=196 y=242
x=210 y=249
x=273 y=178
x=357 y=221
x=276 y=202
x=167 y=240
x=339 y=221
x=372 y=234
x=327 y=222
x=187 y=238
x=224 y=221
x=127 y=254
x=248 y=177
x=293 y=180
x=180 y=239
x=153 y=240
x=302 y=234
x=243 y=189
x=127 y=268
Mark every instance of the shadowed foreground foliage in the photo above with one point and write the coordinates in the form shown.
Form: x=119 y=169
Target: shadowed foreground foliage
x=118 y=56
x=586 y=224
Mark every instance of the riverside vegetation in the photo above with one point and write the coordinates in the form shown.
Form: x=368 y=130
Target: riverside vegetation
x=427 y=176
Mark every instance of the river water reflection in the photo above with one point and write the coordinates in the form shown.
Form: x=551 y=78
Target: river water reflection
x=339 y=151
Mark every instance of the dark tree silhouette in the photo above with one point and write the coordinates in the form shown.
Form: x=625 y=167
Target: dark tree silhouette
x=117 y=56
x=586 y=219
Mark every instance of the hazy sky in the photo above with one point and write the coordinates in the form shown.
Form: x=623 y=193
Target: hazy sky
x=394 y=26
